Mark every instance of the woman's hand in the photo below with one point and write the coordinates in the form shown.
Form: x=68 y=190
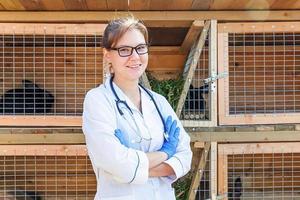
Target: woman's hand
x=171 y=142
x=122 y=137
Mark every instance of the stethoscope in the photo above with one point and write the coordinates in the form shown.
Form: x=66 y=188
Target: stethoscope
x=122 y=102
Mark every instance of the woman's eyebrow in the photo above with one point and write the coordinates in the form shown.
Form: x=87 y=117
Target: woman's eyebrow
x=129 y=45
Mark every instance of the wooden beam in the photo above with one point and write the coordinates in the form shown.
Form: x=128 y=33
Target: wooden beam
x=255 y=148
x=151 y=16
x=213 y=68
x=164 y=50
x=57 y=138
x=213 y=170
x=51 y=29
x=192 y=35
x=42 y=150
x=257 y=27
x=198 y=172
x=199 y=145
x=78 y=138
x=276 y=136
x=40 y=120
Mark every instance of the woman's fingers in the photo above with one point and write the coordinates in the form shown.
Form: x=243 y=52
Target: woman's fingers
x=173 y=128
x=168 y=123
x=176 y=134
x=119 y=135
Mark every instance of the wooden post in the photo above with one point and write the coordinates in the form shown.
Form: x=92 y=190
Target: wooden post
x=213 y=59
x=213 y=170
x=199 y=172
x=191 y=36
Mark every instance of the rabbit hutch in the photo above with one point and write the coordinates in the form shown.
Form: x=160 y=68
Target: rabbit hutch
x=236 y=72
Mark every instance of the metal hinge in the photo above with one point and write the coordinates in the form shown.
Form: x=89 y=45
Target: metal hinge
x=215 y=77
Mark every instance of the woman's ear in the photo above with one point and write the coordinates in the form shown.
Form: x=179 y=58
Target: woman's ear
x=106 y=54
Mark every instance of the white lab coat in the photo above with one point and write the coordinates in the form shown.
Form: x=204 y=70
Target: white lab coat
x=121 y=172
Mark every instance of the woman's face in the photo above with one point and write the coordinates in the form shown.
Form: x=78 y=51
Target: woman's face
x=132 y=67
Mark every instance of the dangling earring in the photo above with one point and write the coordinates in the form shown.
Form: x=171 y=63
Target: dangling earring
x=110 y=68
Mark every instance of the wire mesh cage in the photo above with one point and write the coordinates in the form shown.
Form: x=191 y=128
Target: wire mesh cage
x=46 y=69
x=263 y=64
x=38 y=172
x=260 y=171
x=203 y=191
x=198 y=108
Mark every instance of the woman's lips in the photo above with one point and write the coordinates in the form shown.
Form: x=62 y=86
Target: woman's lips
x=134 y=66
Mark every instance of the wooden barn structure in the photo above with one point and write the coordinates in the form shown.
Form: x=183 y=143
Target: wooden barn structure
x=240 y=66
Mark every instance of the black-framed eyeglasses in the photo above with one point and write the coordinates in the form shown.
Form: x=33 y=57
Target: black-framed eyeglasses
x=126 y=51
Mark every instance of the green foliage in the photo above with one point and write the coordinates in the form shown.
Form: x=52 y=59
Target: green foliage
x=182 y=187
x=171 y=89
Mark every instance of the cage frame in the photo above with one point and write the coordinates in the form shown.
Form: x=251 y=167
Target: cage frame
x=40 y=29
x=223 y=65
x=246 y=148
x=210 y=31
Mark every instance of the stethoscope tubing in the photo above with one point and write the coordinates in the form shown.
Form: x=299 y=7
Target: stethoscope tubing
x=118 y=101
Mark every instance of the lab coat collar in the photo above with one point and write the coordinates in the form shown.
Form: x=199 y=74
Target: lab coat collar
x=146 y=100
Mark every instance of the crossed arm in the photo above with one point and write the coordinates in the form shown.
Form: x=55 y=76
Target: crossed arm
x=157 y=167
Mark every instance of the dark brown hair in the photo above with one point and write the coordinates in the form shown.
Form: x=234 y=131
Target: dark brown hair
x=118 y=27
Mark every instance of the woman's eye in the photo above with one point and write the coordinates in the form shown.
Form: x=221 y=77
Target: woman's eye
x=141 y=48
x=124 y=50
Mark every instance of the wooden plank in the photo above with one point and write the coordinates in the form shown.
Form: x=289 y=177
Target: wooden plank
x=222 y=174
x=191 y=65
x=31 y=5
x=117 y=5
x=257 y=148
x=199 y=172
x=159 y=5
x=198 y=144
x=179 y=5
x=165 y=50
x=201 y=5
x=40 y=120
x=213 y=70
x=43 y=150
x=96 y=5
x=57 y=5
x=282 y=4
x=139 y=5
x=92 y=17
x=52 y=138
x=258 y=27
x=12 y=5
x=192 y=35
x=6 y=137
x=251 y=136
x=213 y=170
x=75 y=5
x=51 y=29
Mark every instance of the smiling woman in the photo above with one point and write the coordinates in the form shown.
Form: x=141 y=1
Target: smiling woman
x=135 y=141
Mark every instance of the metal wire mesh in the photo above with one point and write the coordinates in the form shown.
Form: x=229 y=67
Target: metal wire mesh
x=43 y=173
x=203 y=191
x=264 y=71
x=197 y=106
x=49 y=73
x=266 y=173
